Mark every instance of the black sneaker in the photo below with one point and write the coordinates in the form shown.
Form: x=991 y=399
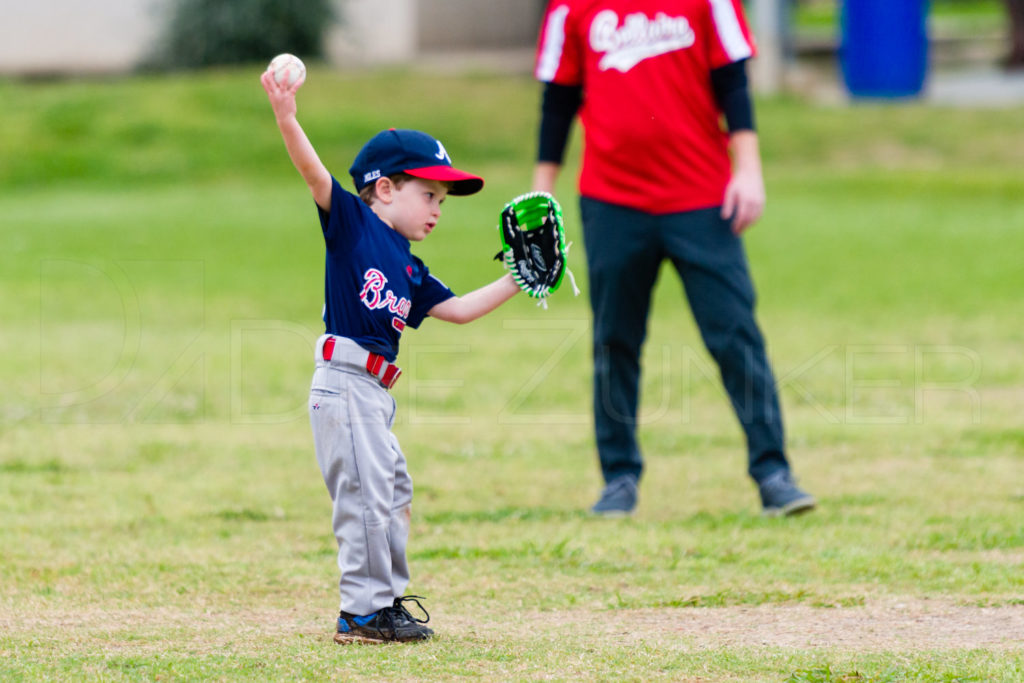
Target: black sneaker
x=780 y=496
x=618 y=499
x=391 y=624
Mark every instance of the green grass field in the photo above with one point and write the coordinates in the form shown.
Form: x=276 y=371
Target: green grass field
x=162 y=515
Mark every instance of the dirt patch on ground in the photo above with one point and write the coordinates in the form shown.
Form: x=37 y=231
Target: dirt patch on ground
x=893 y=628
x=898 y=626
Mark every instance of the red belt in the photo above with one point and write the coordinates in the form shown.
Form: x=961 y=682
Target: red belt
x=376 y=364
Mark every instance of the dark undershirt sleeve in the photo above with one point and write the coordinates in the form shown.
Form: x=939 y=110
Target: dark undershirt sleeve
x=558 y=109
x=732 y=93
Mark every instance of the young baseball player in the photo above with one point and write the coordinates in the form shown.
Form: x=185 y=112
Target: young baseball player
x=374 y=288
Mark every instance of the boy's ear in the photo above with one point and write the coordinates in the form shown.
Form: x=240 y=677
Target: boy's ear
x=384 y=188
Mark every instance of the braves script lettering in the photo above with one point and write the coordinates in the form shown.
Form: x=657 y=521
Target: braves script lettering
x=374 y=296
x=637 y=39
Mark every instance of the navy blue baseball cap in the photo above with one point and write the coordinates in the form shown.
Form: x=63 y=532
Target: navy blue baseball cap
x=413 y=152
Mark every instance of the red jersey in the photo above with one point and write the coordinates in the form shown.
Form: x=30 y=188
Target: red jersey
x=653 y=137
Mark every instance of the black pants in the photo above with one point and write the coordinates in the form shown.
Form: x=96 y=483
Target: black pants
x=625 y=249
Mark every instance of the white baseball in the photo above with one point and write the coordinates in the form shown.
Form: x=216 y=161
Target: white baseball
x=288 y=70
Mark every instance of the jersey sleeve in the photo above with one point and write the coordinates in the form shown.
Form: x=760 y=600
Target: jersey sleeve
x=559 y=57
x=429 y=293
x=732 y=39
x=337 y=224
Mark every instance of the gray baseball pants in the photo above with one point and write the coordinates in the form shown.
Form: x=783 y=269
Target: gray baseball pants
x=366 y=475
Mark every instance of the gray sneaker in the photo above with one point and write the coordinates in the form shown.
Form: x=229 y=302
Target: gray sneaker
x=780 y=496
x=618 y=499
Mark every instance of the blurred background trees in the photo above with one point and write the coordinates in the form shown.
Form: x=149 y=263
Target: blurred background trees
x=1015 y=57
x=199 y=33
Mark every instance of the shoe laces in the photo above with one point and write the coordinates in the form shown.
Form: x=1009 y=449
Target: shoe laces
x=399 y=609
x=385 y=624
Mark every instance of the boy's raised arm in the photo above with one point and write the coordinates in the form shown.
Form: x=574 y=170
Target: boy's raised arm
x=476 y=304
x=300 y=149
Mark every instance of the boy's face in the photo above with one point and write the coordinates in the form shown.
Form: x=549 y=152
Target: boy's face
x=414 y=208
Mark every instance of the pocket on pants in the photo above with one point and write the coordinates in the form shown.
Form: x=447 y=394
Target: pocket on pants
x=326 y=382
x=326 y=401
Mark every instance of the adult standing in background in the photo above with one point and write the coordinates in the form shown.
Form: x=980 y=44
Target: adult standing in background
x=661 y=178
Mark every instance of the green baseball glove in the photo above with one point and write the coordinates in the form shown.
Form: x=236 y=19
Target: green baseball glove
x=533 y=244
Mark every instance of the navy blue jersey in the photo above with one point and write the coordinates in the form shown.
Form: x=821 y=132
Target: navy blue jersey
x=373 y=285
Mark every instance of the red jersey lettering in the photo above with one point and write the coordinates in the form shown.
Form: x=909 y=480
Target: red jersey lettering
x=653 y=136
x=374 y=296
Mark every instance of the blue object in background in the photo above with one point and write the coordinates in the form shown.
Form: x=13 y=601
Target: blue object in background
x=884 y=51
